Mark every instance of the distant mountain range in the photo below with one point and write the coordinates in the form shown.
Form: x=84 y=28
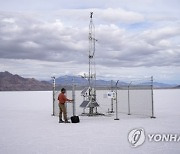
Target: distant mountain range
x=178 y=87
x=10 y=82
x=68 y=81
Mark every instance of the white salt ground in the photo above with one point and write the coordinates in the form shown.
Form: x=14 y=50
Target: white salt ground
x=27 y=127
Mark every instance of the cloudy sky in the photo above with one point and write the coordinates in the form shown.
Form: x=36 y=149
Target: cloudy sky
x=136 y=38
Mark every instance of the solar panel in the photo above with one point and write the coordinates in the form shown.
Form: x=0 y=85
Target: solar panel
x=84 y=104
x=84 y=91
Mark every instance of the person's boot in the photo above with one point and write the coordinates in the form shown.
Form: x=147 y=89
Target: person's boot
x=66 y=121
x=61 y=121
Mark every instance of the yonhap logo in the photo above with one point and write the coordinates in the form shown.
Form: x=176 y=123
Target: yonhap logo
x=136 y=137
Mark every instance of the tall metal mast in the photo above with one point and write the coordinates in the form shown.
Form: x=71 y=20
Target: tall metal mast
x=92 y=71
x=92 y=40
x=91 y=89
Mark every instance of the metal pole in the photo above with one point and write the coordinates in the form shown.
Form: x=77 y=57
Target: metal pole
x=116 y=102
x=73 y=97
x=90 y=60
x=129 y=99
x=111 y=98
x=152 y=95
x=90 y=48
x=54 y=86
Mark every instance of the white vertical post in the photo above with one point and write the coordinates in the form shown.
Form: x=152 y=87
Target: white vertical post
x=54 y=87
x=73 y=97
x=129 y=113
x=116 y=102
x=111 y=98
x=152 y=95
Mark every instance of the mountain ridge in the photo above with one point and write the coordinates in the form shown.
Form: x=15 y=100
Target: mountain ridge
x=14 y=82
x=10 y=82
x=69 y=79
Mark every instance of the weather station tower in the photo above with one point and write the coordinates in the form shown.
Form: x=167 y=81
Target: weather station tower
x=89 y=93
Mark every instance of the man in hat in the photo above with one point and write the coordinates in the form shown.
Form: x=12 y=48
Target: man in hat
x=62 y=108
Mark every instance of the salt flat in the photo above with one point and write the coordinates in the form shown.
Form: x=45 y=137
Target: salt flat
x=26 y=126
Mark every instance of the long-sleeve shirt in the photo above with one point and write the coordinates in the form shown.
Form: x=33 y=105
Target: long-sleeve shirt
x=62 y=98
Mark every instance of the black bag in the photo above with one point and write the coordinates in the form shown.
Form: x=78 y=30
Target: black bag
x=75 y=119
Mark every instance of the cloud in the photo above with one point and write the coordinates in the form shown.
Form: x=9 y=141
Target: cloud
x=54 y=41
x=63 y=40
x=118 y=15
x=109 y=15
x=40 y=40
x=161 y=33
x=149 y=48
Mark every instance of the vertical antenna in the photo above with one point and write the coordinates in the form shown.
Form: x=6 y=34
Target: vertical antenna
x=91 y=29
x=91 y=102
x=92 y=73
x=92 y=40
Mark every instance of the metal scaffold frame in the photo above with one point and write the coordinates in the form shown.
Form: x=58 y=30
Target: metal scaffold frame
x=89 y=93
